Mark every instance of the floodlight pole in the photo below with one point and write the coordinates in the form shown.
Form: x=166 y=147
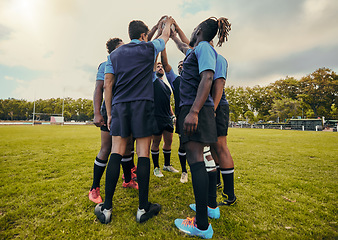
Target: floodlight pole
x=33 y=112
x=63 y=106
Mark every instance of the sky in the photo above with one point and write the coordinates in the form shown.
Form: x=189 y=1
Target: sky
x=51 y=49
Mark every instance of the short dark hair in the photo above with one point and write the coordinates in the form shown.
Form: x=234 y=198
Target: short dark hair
x=136 y=28
x=112 y=43
x=212 y=25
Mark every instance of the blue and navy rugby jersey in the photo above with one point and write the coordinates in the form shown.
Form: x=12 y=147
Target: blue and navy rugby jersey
x=201 y=58
x=100 y=77
x=132 y=64
x=162 y=95
x=221 y=72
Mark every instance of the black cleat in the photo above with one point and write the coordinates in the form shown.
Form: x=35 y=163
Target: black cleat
x=226 y=201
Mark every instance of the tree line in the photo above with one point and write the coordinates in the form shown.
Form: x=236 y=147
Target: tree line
x=78 y=110
x=312 y=96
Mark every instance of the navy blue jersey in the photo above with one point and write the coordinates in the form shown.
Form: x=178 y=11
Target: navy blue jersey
x=201 y=58
x=175 y=81
x=221 y=72
x=132 y=64
x=162 y=95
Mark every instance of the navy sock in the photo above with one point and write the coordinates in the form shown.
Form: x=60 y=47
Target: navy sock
x=200 y=183
x=212 y=194
x=126 y=167
x=112 y=175
x=143 y=173
x=183 y=159
x=155 y=155
x=218 y=174
x=166 y=154
x=99 y=167
x=228 y=181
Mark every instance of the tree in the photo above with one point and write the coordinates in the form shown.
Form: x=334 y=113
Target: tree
x=285 y=108
x=319 y=91
x=285 y=88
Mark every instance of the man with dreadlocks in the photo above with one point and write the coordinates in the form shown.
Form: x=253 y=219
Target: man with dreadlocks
x=197 y=118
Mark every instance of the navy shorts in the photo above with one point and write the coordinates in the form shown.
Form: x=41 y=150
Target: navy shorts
x=206 y=129
x=104 y=128
x=136 y=118
x=222 y=120
x=163 y=124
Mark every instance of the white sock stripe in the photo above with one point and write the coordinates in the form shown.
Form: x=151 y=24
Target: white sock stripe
x=152 y=152
x=227 y=171
x=166 y=151
x=209 y=169
x=182 y=154
x=100 y=164
x=132 y=152
x=126 y=159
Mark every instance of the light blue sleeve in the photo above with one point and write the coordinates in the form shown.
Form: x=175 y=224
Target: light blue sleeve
x=100 y=72
x=188 y=51
x=221 y=68
x=171 y=76
x=109 y=67
x=159 y=45
x=206 y=57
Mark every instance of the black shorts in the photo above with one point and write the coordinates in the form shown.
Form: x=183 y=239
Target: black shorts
x=206 y=129
x=222 y=120
x=163 y=124
x=104 y=128
x=136 y=118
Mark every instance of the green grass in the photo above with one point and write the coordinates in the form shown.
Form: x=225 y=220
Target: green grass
x=285 y=182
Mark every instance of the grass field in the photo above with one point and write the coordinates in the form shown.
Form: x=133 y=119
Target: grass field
x=285 y=182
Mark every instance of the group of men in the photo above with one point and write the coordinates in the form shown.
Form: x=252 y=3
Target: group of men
x=137 y=108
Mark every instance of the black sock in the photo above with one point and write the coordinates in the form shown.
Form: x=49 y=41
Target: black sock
x=143 y=172
x=132 y=159
x=218 y=174
x=99 y=167
x=212 y=193
x=166 y=154
x=112 y=175
x=183 y=159
x=155 y=156
x=126 y=167
x=228 y=182
x=200 y=183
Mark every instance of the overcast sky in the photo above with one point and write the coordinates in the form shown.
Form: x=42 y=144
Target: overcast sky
x=52 y=48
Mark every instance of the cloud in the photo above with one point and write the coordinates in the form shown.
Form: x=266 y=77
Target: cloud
x=58 y=44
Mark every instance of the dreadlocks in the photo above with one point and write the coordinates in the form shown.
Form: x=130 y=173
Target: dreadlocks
x=212 y=25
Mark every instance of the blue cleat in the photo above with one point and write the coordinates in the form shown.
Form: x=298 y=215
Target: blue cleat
x=212 y=212
x=189 y=227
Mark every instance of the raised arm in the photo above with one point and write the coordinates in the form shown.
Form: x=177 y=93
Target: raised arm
x=183 y=47
x=155 y=27
x=164 y=60
x=166 y=30
x=109 y=81
x=181 y=33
